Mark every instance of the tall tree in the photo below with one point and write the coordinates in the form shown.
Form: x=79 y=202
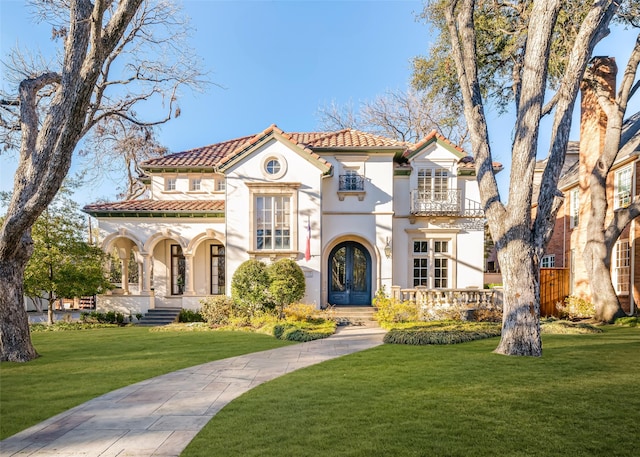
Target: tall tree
x=406 y=116
x=603 y=231
x=63 y=264
x=109 y=66
x=520 y=238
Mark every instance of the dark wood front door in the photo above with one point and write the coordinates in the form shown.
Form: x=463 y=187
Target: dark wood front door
x=350 y=275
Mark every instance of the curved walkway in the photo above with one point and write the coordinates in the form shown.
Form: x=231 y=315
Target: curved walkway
x=160 y=416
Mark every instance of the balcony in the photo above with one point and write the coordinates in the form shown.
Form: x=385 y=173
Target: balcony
x=443 y=203
x=351 y=184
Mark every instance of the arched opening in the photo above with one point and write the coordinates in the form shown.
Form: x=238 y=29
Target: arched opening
x=349 y=274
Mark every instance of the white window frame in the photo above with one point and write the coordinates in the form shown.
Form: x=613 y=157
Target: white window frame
x=432 y=259
x=420 y=262
x=221 y=185
x=195 y=184
x=622 y=186
x=262 y=190
x=621 y=267
x=170 y=183
x=433 y=182
x=548 y=261
x=574 y=209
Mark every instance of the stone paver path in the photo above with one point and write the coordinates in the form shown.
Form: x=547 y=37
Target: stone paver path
x=160 y=416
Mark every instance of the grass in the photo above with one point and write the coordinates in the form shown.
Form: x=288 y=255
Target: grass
x=75 y=366
x=579 y=399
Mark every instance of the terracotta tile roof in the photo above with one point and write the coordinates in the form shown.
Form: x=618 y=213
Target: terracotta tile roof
x=217 y=154
x=346 y=138
x=159 y=206
x=206 y=156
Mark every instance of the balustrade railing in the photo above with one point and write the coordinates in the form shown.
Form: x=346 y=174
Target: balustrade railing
x=440 y=298
x=444 y=203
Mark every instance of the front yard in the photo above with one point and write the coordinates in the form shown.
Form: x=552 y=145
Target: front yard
x=579 y=399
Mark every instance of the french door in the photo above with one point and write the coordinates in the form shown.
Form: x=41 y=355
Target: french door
x=350 y=275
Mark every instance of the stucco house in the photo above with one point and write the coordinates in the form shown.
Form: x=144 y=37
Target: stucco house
x=566 y=246
x=357 y=211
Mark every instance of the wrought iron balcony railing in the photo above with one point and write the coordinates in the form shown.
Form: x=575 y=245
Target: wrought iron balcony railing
x=443 y=203
x=350 y=182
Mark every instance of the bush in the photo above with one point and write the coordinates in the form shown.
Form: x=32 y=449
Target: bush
x=302 y=333
x=393 y=310
x=302 y=312
x=575 y=308
x=286 y=283
x=187 y=315
x=250 y=287
x=559 y=327
x=110 y=317
x=628 y=321
x=445 y=333
x=217 y=310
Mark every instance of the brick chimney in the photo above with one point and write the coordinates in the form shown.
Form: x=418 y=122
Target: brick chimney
x=593 y=121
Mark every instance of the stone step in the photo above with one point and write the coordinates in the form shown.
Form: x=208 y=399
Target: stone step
x=355 y=315
x=159 y=316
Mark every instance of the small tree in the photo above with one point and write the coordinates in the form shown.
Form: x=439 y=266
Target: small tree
x=250 y=285
x=287 y=283
x=63 y=265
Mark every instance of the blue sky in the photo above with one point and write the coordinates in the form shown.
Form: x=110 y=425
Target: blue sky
x=277 y=63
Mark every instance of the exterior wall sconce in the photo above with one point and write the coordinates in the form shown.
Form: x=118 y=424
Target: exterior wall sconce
x=387 y=249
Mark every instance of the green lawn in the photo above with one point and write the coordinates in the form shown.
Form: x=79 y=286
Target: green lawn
x=78 y=365
x=580 y=399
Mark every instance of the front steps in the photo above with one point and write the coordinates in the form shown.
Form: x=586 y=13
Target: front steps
x=159 y=316
x=355 y=315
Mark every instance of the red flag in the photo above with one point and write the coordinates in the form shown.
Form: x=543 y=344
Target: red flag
x=307 y=252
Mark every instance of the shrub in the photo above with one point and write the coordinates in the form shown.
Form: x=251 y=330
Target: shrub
x=217 y=310
x=188 y=315
x=575 y=308
x=302 y=312
x=560 y=327
x=250 y=286
x=393 y=310
x=631 y=321
x=441 y=334
x=286 y=283
x=302 y=333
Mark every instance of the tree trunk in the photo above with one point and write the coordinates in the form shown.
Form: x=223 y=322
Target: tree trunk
x=521 y=308
x=50 y=309
x=15 y=339
x=597 y=262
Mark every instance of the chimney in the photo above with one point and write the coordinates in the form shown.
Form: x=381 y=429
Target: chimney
x=601 y=73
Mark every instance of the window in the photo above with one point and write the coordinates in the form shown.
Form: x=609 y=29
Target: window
x=621 y=267
x=272 y=166
x=548 y=261
x=574 y=215
x=217 y=269
x=440 y=264
x=195 y=184
x=431 y=263
x=221 y=185
x=433 y=183
x=421 y=263
x=622 y=188
x=273 y=222
x=177 y=270
x=170 y=184
x=351 y=180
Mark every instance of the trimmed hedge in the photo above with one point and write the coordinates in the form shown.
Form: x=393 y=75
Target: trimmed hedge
x=426 y=335
x=291 y=332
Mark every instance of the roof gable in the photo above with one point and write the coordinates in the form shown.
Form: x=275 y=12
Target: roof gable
x=273 y=132
x=431 y=138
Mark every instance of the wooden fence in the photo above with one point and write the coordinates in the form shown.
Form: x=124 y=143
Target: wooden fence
x=554 y=287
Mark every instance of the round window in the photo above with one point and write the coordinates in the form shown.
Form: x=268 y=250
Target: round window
x=273 y=166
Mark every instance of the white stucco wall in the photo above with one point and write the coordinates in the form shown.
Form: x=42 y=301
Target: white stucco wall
x=302 y=179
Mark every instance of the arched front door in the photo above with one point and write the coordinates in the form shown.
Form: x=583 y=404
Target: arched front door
x=350 y=275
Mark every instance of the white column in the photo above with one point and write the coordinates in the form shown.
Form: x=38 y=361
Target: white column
x=188 y=274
